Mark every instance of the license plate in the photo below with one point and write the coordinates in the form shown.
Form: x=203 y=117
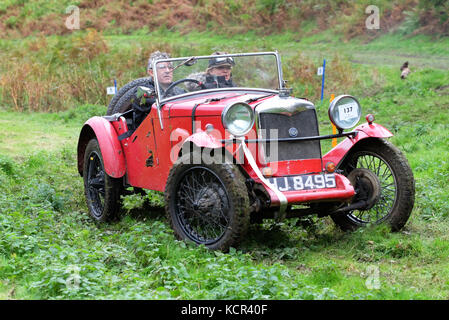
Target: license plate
x=304 y=182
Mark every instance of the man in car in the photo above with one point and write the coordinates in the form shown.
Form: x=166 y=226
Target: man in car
x=164 y=73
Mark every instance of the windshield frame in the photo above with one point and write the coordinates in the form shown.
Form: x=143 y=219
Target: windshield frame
x=160 y=102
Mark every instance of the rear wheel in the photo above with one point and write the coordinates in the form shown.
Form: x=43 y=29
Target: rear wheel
x=207 y=204
x=102 y=191
x=382 y=177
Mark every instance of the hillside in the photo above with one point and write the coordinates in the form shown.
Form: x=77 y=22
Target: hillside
x=53 y=79
x=19 y=18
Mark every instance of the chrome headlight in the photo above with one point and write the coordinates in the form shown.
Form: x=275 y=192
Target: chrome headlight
x=238 y=118
x=345 y=112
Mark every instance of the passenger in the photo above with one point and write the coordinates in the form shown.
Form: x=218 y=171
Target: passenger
x=218 y=74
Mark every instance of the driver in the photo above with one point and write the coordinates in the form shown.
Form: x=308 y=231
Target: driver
x=164 y=73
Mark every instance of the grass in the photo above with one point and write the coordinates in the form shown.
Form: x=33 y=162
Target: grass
x=38 y=134
x=49 y=248
x=48 y=241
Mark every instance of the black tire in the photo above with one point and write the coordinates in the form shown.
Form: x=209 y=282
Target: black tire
x=102 y=191
x=219 y=191
x=112 y=107
x=397 y=185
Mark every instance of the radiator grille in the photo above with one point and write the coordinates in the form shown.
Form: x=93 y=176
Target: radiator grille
x=306 y=124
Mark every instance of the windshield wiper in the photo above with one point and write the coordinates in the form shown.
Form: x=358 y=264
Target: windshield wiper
x=257 y=98
x=221 y=98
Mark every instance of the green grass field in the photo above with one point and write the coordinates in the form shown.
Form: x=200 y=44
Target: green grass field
x=49 y=248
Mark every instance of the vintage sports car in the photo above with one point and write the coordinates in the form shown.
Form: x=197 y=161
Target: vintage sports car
x=228 y=145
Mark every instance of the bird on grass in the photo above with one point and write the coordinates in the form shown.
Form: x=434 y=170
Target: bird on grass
x=405 y=70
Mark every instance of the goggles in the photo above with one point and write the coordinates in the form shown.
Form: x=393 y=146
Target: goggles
x=161 y=66
x=220 y=61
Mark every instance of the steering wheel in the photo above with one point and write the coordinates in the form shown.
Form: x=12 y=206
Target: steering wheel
x=174 y=84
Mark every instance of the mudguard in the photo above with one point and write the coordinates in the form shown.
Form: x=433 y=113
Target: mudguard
x=200 y=139
x=204 y=140
x=111 y=149
x=365 y=130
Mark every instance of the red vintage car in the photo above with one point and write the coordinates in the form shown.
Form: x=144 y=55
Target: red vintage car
x=230 y=146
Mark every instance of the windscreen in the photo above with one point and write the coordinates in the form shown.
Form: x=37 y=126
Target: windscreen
x=176 y=77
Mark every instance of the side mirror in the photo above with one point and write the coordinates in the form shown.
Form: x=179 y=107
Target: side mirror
x=191 y=62
x=144 y=93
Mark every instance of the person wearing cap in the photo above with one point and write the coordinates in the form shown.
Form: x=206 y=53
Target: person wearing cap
x=219 y=72
x=164 y=73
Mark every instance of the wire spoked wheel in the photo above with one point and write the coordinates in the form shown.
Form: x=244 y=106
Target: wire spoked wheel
x=388 y=188
x=207 y=204
x=382 y=177
x=95 y=184
x=102 y=191
x=203 y=205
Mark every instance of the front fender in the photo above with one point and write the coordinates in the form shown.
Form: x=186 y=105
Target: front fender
x=204 y=140
x=200 y=139
x=111 y=150
x=373 y=130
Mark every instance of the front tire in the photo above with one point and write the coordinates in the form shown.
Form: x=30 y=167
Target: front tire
x=397 y=185
x=207 y=204
x=102 y=191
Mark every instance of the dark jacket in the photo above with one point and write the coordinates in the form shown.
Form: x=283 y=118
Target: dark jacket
x=213 y=81
x=173 y=92
x=141 y=111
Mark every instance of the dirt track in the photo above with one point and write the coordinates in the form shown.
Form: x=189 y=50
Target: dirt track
x=396 y=59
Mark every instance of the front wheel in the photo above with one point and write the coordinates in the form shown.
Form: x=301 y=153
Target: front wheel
x=207 y=204
x=381 y=177
x=102 y=191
